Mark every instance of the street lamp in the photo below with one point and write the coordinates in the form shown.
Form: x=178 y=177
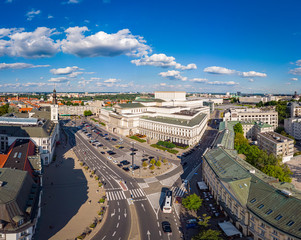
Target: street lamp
x=132 y=154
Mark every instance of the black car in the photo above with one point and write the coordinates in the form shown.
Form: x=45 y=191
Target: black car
x=107 y=138
x=136 y=167
x=126 y=169
x=102 y=152
x=111 y=152
x=134 y=149
x=125 y=162
x=132 y=153
x=166 y=227
x=114 y=139
x=120 y=165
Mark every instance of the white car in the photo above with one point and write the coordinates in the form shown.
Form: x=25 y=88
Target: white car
x=110 y=158
x=115 y=161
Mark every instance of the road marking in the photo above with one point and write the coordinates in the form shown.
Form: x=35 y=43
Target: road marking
x=113 y=213
x=118 y=203
x=143 y=206
x=117 y=225
x=103 y=237
x=118 y=209
x=160 y=233
x=158 y=224
x=113 y=234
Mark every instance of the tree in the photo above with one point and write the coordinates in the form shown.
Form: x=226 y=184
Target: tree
x=165 y=161
x=152 y=167
x=208 y=235
x=152 y=161
x=204 y=221
x=144 y=164
x=158 y=163
x=82 y=103
x=238 y=128
x=192 y=202
x=87 y=113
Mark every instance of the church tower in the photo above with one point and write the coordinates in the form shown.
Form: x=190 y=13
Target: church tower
x=54 y=108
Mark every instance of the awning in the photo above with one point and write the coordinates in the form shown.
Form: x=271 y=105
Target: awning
x=229 y=229
x=202 y=186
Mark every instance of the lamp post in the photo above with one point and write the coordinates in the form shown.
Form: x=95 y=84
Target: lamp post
x=132 y=155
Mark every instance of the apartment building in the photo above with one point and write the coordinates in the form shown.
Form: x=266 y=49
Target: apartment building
x=19 y=206
x=293 y=127
x=276 y=144
x=295 y=109
x=249 y=114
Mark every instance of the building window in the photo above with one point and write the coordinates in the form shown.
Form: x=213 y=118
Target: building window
x=262 y=233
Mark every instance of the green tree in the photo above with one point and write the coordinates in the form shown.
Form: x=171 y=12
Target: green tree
x=192 y=202
x=165 y=161
x=152 y=161
x=238 y=128
x=209 y=234
x=152 y=167
x=144 y=164
x=204 y=222
x=158 y=163
x=87 y=113
x=82 y=103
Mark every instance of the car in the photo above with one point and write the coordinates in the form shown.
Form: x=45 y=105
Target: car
x=136 y=167
x=102 y=152
x=166 y=227
x=114 y=139
x=192 y=220
x=125 y=162
x=126 y=169
x=110 y=158
x=108 y=139
x=120 y=165
x=144 y=159
x=111 y=152
x=191 y=225
x=115 y=161
x=134 y=149
x=121 y=147
x=132 y=153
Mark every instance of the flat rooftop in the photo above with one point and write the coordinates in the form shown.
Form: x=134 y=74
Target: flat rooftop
x=276 y=137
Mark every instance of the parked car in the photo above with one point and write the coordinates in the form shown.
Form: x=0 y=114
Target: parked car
x=120 y=165
x=136 y=167
x=102 y=152
x=115 y=161
x=125 y=162
x=110 y=158
x=126 y=169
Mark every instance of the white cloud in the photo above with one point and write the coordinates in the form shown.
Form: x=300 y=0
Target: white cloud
x=294 y=79
x=219 y=70
x=95 y=78
x=34 y=44
x=103 y=44
x=9 y=1
x=74 y=74
x=199 y=80
x=298 y=63
x=111 y=80
x=162 y=84
x=58 y=80
x=161 y=60
x=19 y=66
x=253 y=74
x=72 y=1
x=295 y=71
x=31 y=14
x=64 y=71
x=50 y=16
x=251 y=80
x=223 y=83
x=173 y=75
x=111 y=84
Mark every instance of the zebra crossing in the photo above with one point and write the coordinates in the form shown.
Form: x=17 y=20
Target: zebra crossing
x=179 y=191
x=136 y=193
x=115 y=195
x=120 y=195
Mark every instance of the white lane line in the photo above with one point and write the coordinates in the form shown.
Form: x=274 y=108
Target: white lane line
x=118 y=209
x=103 y=238
x=113 y=234
x=118 y=217
x=118 y=203
x=117 y=225
x=158 y=224
x=160 y=233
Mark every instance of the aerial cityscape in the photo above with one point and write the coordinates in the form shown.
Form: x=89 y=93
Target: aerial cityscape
x=150 y=120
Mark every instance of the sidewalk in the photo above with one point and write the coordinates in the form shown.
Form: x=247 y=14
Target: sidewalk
x=70 y=198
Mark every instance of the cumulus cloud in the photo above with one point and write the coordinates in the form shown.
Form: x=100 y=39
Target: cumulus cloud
x=64 y=71
x=298 y=63
x=111 y=84
x=295 y=71
x=199 y=80
x=231 y=83
x=34 y=44
x=74 y=74
x=103 y=44
x=161 y=60
x=219 y=70
x=173 y=75
x=58 y=80
x=294 y=79
x=31 y=14
x=19 y=66
x=50 y=16
x=111 y=80
x=253 y=74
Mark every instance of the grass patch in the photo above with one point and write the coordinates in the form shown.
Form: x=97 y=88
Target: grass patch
x=182 y=147
x=173 y=151
x=137 y=139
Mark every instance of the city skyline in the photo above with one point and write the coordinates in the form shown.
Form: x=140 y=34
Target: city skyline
x=117 y=46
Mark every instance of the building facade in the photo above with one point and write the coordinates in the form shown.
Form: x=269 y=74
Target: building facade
x=276 y=144
x=266 y=116
x=293 y=127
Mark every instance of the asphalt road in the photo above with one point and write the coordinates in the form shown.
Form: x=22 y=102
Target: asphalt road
x=117 y=225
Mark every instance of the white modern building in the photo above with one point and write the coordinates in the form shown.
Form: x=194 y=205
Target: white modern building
x=179 y=121
x=250 y=114
x=293 y=127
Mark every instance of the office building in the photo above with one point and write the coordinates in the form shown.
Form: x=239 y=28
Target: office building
x=293 y=127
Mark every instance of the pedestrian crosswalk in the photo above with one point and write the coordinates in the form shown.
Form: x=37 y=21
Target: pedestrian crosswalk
x=115 y=195
x=179 y=191
x=136 y=193
x=120 y=195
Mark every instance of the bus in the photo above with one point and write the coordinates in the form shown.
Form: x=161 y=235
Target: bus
x=167 y=207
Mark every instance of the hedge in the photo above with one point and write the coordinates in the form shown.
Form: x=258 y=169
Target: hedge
x=137 y=139
x=173 y=151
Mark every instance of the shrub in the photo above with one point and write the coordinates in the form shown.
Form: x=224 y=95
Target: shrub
x=137 y=139
x=81 y=163
x=96 y=178
x=102 y=200
x=165 y=149
x=93 y=225
x=100 y=184
x=144 y=164
x=166 y=144
x=86 y=167
x=165 y=161
x=103 y=124
x=152 y=167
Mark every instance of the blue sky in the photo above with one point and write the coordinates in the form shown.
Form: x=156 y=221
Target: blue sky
x=127 y=45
